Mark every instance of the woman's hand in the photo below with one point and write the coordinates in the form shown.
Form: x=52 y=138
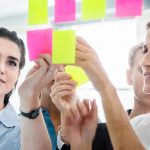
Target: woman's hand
x=63 y=90
x=87 y=58
x=80 y=123
x=38 y=77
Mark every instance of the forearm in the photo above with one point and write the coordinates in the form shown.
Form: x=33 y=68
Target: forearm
x=34 y=134
x=81 y=145
x=87 y=146
x=122 y=134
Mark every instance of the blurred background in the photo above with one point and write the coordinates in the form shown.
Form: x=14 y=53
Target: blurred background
x=111 y=37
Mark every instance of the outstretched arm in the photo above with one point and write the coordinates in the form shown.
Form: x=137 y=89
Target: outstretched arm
x=34 y=134
x=122 y=134
x=78 y=119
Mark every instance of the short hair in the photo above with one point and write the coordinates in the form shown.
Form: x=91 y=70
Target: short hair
x=12 y=36
x=148 y=26
x=132 y=53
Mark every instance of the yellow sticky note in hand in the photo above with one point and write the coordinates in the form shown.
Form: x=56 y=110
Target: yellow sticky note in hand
x=77 y=74
x=63 y=51
x=38 y=12
x=93 y=9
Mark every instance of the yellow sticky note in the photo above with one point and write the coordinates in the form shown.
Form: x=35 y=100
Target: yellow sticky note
x=93 y=9
x=38 y=12
x=63 y=51
x=77 y=74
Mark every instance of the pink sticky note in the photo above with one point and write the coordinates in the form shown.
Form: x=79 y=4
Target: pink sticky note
x=39 y=42
x=64 y=10
x=128 y=8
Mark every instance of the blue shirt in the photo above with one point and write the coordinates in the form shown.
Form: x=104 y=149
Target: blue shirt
x=9 y=129
x=50 y=128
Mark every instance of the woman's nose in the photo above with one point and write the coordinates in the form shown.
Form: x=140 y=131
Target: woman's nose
x=2 y=68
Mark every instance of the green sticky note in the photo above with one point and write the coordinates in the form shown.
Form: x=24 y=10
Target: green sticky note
x=38 y=12
x=77 y=74
x=63 y=51
x=93 y=9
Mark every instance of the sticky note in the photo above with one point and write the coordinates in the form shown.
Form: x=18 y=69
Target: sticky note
x=63 y=47
x=128 y=8
x=77 y=74
x=39 y=42
x=64 y=10
x=93 y=9
x=38 y=12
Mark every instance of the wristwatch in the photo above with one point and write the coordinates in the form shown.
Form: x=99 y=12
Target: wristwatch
x=32 y=114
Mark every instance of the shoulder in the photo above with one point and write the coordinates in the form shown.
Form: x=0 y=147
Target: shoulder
x=141 y=125
x=141 y=120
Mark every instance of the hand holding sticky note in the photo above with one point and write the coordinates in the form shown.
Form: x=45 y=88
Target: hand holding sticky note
x=77 y=74
x=63 y=47
x=39 y=42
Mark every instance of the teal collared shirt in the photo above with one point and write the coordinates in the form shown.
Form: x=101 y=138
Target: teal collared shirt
x=9 y=129
x=50 y=128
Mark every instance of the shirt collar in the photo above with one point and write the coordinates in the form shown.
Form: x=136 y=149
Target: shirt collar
x=8 y=116
x=44 y=110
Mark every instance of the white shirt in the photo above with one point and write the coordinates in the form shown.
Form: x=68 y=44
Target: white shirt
x=141 y=125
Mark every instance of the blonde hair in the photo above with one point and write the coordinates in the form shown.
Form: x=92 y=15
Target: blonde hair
x=132 y=53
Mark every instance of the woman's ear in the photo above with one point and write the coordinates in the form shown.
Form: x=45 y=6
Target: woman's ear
x=129 y=76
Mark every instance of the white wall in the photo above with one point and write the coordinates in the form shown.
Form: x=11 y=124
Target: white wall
x=111 y=39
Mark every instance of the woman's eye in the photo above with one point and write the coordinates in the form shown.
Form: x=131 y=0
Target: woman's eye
x=12 y=63
x=145 y=49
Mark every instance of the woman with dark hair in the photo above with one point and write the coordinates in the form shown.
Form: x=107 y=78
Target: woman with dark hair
x=12 y=60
